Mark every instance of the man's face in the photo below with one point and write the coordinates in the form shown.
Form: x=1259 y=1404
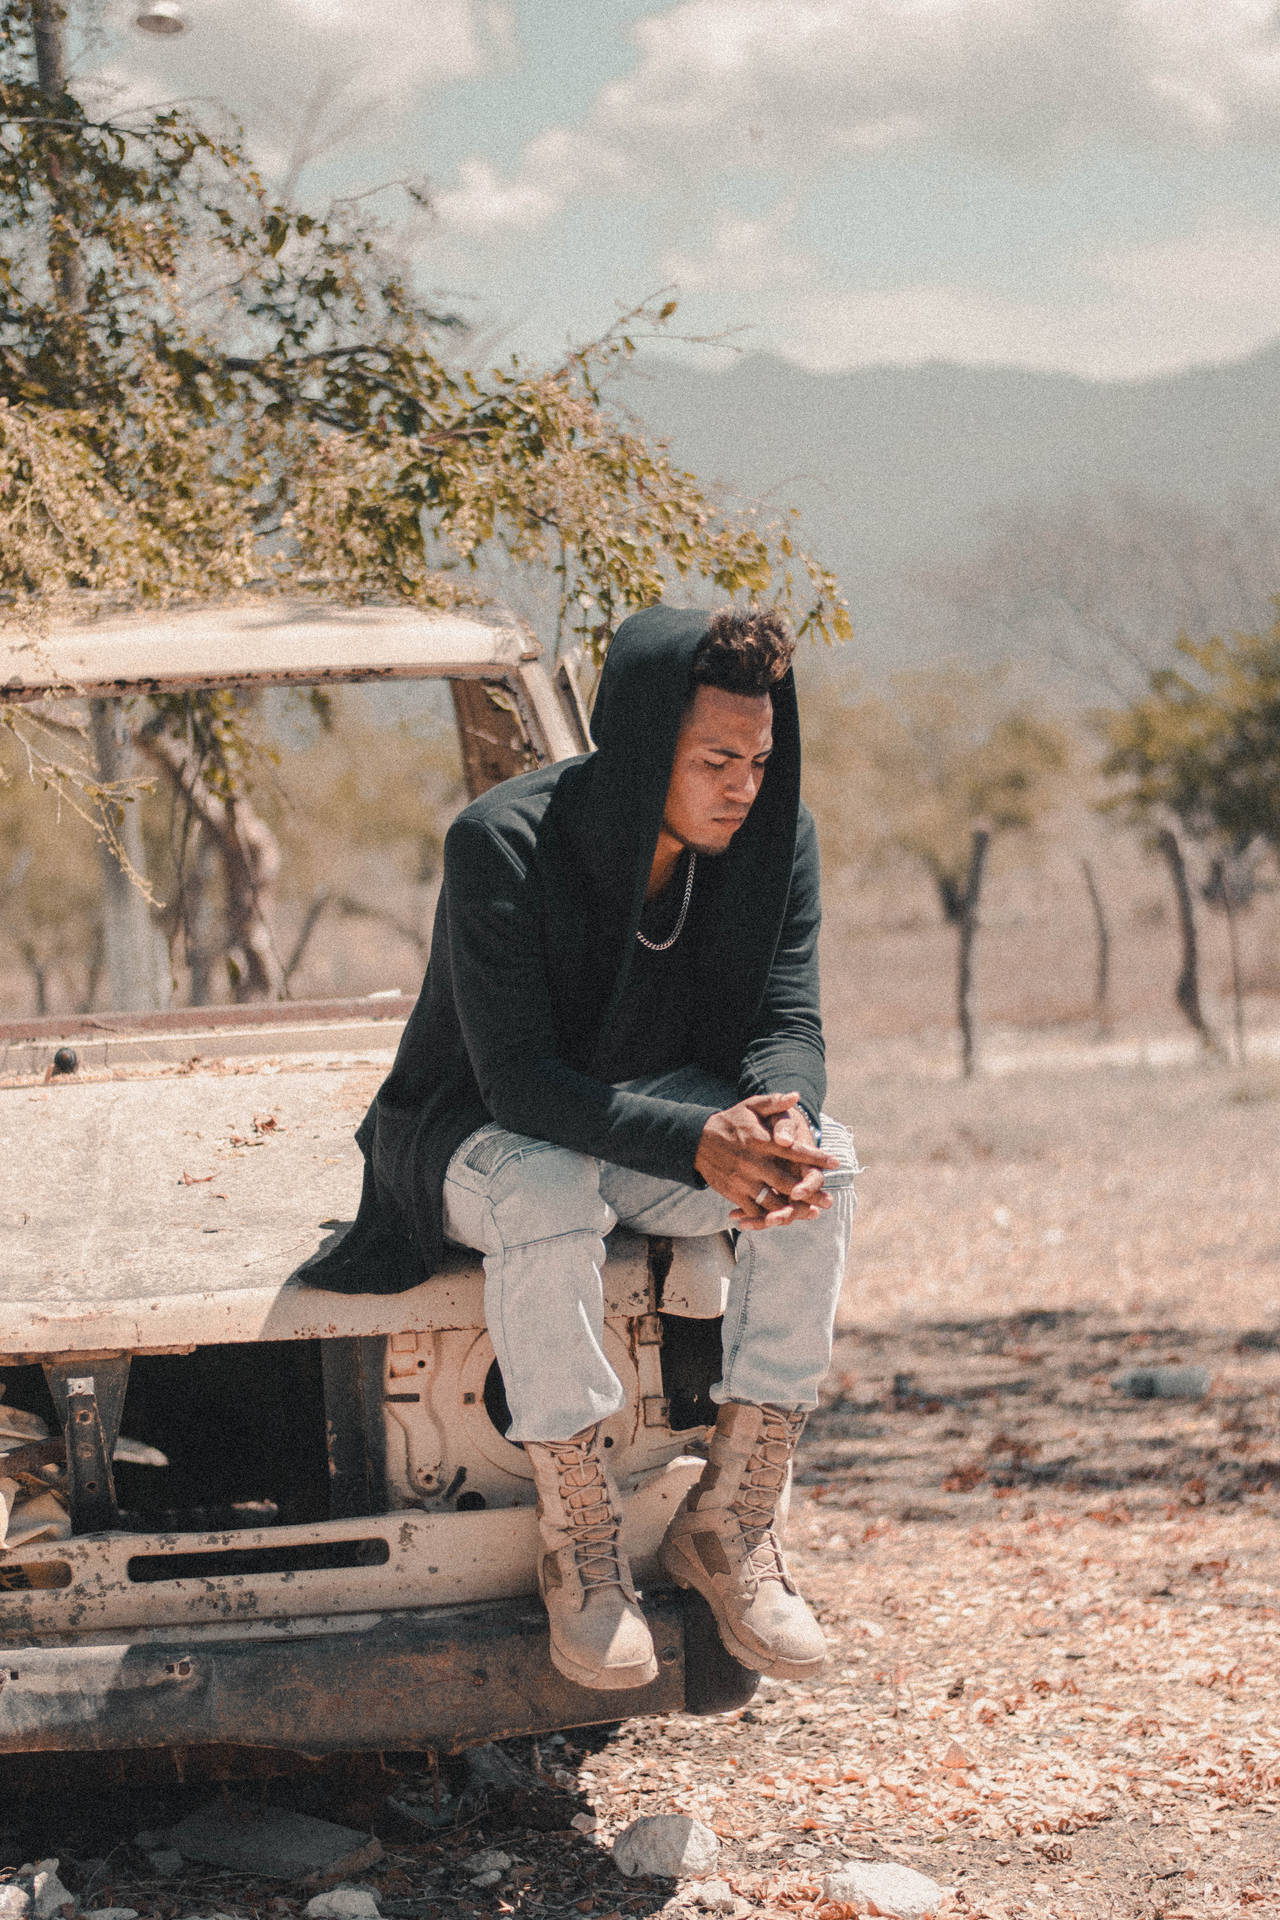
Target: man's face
x=721 y=752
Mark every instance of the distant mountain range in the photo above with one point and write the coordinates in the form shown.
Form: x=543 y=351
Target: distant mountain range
x=896 y=469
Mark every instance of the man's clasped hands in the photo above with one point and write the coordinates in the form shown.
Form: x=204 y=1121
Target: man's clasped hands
x=762 y=1155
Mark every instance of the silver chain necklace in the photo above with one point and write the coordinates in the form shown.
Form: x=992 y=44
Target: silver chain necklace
x=660 y=946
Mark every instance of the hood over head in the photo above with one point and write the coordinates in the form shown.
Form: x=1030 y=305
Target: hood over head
x=645 y=685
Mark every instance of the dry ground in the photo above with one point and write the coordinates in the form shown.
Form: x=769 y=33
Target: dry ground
x=1054 y=1610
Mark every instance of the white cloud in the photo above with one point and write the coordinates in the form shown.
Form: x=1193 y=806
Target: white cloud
x=1139 y=311
x=743 y=256
x=788 y=83
x=1225 y=264
x=1020 y=77
x=555 y=166
x=482 y=204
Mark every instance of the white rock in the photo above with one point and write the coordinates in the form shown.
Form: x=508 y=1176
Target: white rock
x=15 y=1901
x=48 y=1895
x=487 y=1868
x=670 y=1844
x=342 y=1903
x=891 y=1889
x=486 y=1861
x=717 y=1896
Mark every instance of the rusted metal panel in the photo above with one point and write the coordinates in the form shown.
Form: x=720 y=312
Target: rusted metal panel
x=568 y=683
x=559 y=720
x=508 y=727
x=493 y=733
x=212 y=1025
x=380 y=1562
x=443 y=1678
x=171 y=1209
x=446 y=1423
x=255 y=643
x=337 y=1047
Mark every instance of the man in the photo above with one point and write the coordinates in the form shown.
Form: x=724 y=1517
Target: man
x=620 y=1023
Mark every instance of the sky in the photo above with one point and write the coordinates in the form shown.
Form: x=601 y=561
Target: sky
x=1086 y=186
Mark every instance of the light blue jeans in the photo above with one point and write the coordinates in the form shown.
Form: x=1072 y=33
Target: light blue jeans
x=539 y=1213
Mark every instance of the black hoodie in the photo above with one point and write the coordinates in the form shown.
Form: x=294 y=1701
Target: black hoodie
x=544 y=885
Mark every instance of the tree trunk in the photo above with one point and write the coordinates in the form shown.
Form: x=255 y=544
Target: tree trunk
x=199 y=919
x=39 y=977
x=1237 y=983
x=93 y=972
x=1231 y=886
x=1102 y=976
x=66 y=268
x=967 y=927
x=250 y=856
x=1187 y=991
x=133 y=952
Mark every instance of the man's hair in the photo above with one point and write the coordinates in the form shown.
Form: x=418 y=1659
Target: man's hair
x=744 y=652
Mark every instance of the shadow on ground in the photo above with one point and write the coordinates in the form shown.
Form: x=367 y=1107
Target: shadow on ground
x=108 y=1819
x=923 y=1417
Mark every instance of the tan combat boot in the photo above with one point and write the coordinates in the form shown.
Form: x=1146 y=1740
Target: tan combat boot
x=722 y=1543
x=599 y=1636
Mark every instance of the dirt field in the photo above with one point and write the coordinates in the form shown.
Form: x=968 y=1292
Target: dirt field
x=1054 y=1609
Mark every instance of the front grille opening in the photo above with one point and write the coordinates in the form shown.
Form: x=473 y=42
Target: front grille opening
x=243 y=1428
x=221 y=1563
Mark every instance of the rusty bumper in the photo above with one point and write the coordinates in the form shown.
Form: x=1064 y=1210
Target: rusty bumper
x=442 y=1678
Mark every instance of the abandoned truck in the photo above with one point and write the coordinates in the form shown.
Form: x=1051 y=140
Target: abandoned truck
x=235 y=1511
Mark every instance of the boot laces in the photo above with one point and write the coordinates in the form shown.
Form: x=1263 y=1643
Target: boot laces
x=759 y=1490
x=591 y=1522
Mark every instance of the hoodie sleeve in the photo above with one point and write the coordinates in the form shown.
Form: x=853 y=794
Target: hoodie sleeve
x=505 y=1012
x=785 y=1052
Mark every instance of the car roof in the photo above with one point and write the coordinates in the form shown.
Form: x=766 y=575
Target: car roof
x=265 y=642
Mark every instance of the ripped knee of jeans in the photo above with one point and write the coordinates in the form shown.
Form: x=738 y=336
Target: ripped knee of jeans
x=835 y=1138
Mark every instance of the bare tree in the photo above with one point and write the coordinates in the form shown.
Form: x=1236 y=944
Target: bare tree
x=1102 y=931
x=968 y=924
x=940 y=766
x=1102 y=587
x=1187 y=990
